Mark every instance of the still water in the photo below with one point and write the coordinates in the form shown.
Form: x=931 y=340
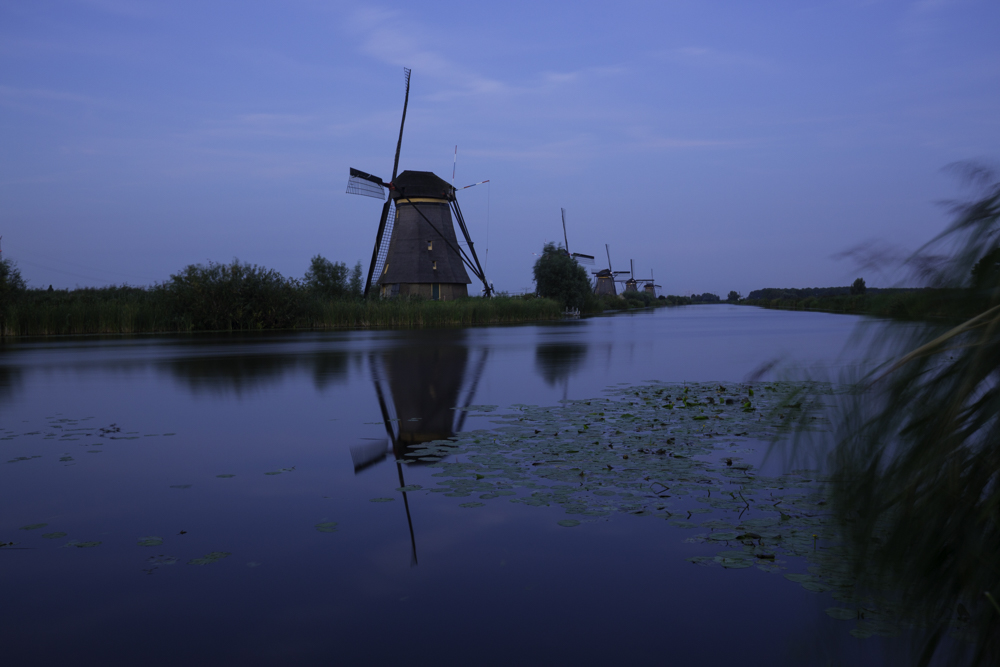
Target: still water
x=169 y=441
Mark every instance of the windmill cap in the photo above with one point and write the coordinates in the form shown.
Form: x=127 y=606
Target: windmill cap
x=421 y=184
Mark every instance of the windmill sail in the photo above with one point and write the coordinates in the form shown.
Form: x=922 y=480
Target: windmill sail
x=360 y=183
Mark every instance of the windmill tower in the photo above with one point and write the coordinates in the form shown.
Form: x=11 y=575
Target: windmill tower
x=650 y=286
x=631 y=285
x=605 y=283
x=416 y=249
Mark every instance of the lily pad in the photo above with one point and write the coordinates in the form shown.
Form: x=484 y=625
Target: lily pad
x=151 y=541
x=473 y=505
x=211 y=558
x=381 y=500
x=327 y=527
x=226 y=476
x=568 y=523
x=54 y=536
x=410 y=487
x=842 y=614
x=82 y=545
x=34 y=526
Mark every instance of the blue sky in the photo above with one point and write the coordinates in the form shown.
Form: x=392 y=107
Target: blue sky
x=724 y=145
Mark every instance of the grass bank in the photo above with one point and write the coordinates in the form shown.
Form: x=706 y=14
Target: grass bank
x=131 y=310
x=924 y=304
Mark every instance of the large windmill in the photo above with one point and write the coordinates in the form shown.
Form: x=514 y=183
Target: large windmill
x=605 y=283
x=416 y=249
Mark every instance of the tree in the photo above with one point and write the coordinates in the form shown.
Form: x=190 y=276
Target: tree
x=11 y=282
x=734 y=296
x=327 y=279
x=356 y=286
x=859 y=287
x=986 y=272
x=559 y=277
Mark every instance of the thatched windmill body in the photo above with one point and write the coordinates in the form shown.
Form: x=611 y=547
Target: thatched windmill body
x=416 y=248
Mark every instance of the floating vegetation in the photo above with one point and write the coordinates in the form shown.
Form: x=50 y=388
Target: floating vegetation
x=381 y=500
x=278 y=471
x=226 y=476
x=209 y=559
x=54 y=536
x=410 y=487
x=151 y=541
x=671 y=452
x=327 y=527
x=34 y=526
x=82 y=545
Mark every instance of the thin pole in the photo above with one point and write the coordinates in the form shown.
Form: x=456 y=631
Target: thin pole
x=453 y=166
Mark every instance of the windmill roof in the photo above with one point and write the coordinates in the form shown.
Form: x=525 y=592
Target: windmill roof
x=421 y=184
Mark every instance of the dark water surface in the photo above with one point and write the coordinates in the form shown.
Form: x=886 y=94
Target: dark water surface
x=426 y=581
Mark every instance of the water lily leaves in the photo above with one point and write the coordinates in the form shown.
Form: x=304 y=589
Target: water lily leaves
x=34 y=526
x=568 y=523
x=327 y=527
x=226 y=476
x=842 y=614
x=209 y=559
x=54 y=536
x=470 y=505
x=722 y=536
x=381 y=500
x=410 y=487
x=151 y=541
x=82 y=545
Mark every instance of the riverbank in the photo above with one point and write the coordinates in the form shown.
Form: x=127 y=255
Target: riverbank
x=129 y=310
x=925 y=304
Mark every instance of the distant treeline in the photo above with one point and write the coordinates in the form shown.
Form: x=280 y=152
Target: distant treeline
x=770 y=293
x=912 y=304
x=241 y=297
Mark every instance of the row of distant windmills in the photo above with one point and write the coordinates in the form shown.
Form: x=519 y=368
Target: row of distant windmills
x=417 y=251
x=605 y=279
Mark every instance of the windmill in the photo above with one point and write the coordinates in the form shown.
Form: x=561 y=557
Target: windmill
x=416 y=249
x=605 y=284
x=631 y=285
x=580 y=257
x=650 y=287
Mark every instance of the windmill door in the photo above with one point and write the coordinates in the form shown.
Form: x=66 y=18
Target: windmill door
x=436 y=291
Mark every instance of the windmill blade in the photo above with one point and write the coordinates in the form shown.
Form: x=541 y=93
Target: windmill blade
x=399 y=143
x=583 y=259
x=474 y=184
x=382 y=238
x=361 y=183
x=565 y=238
x=368 y=454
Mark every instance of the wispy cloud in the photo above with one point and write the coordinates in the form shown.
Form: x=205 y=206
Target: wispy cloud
x=710 y=57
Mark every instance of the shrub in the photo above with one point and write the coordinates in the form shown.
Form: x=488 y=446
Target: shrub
x=233 y=297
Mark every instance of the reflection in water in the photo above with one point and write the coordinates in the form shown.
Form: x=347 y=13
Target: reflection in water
x=555 y=362
x=10 y=382
x=419 y=386
x=250 y=372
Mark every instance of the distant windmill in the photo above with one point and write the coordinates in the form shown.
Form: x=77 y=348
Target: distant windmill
x=606 y=278
x=420 y=254
x=650 y=287
x=580 y=257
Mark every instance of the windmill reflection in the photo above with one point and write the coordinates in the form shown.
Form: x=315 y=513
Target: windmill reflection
x=555 y=362
x=422 y=388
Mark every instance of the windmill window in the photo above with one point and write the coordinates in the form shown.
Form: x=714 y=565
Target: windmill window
x=435 y=265
x=430 y=245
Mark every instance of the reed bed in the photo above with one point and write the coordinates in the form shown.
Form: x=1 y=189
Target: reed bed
x=137 y=310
